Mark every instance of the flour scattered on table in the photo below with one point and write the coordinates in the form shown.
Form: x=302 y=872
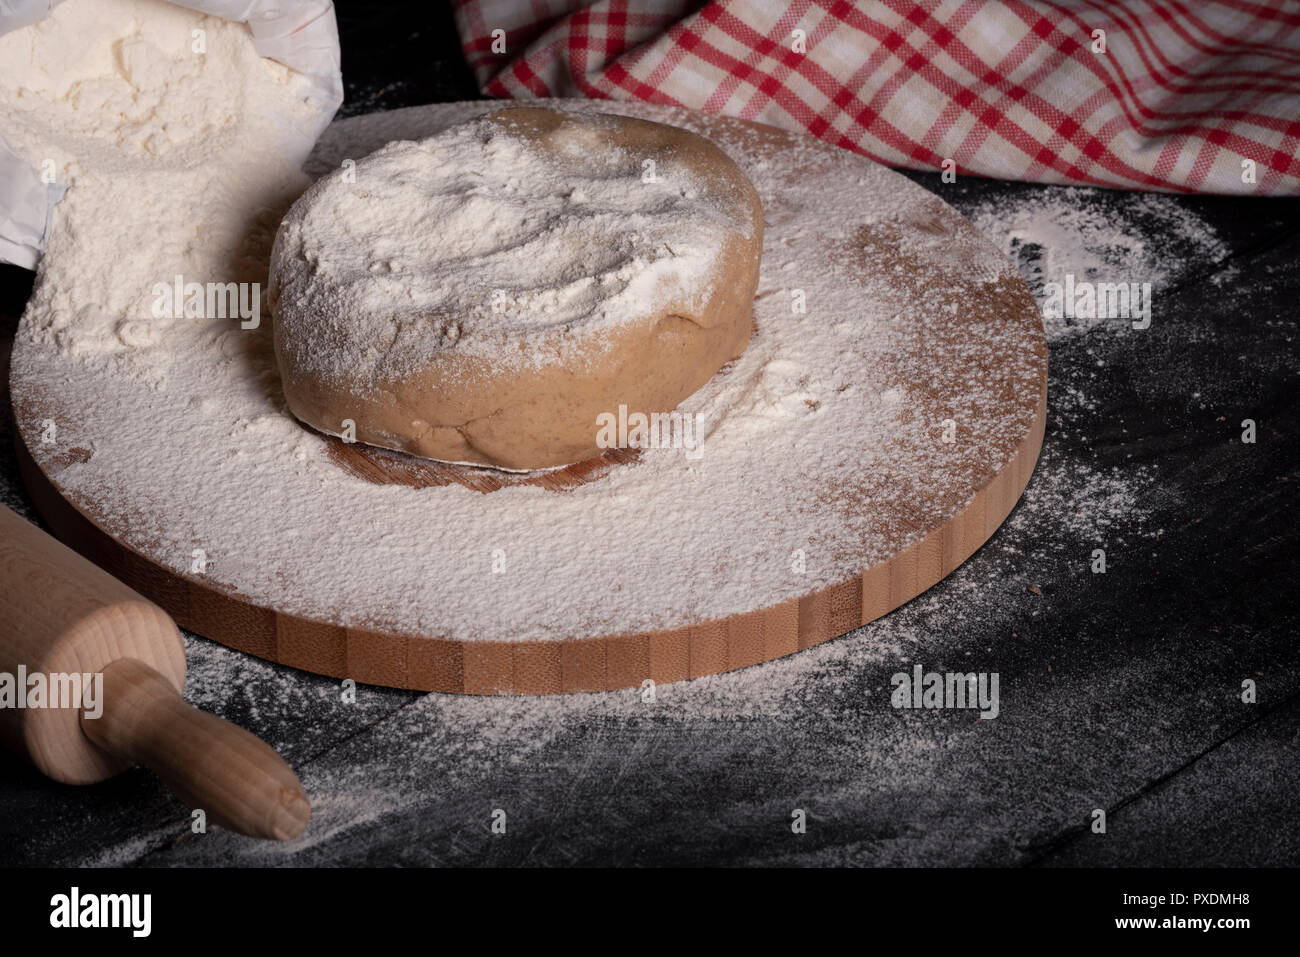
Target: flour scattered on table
x=1097 y=236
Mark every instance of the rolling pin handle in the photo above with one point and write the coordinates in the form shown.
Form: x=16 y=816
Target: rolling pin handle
x=238 y=780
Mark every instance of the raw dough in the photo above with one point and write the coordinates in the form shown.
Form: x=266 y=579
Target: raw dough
x=482 y=296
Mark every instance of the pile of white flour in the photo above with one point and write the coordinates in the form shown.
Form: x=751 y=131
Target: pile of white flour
x=176 y=160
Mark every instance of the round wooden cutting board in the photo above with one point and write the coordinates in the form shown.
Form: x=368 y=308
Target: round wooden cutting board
x=965 y=342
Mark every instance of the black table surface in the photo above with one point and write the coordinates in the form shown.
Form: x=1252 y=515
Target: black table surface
x=1120 y=691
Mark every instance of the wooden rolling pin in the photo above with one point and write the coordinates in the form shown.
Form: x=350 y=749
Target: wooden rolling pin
x=61 y=614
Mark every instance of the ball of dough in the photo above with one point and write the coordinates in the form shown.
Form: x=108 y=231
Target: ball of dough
x=482 y=296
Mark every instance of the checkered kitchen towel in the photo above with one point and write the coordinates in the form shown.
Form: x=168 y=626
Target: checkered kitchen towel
x=1174 y=95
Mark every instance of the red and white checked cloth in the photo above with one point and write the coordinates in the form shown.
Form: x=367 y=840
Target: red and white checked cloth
x=1185 y=93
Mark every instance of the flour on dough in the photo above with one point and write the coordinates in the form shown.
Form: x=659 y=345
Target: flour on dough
x=484 y=295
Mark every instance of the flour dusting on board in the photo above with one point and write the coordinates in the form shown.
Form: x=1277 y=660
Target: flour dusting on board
x=823 y=439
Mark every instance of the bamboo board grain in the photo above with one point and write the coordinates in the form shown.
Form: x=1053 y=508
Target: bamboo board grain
x=938 y=539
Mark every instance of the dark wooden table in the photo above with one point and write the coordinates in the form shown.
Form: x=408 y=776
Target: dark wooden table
x=1119 y=691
